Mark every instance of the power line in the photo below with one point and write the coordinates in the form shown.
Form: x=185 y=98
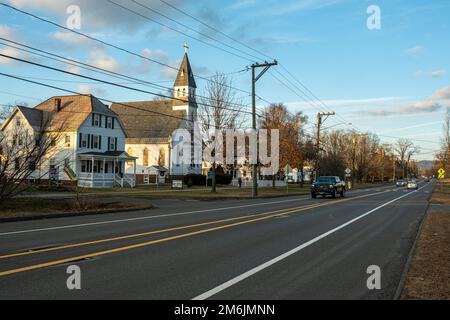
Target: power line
x=215 y=29
x=89 y=67
x=111 y=83
x=107 y=43
x=188 y=27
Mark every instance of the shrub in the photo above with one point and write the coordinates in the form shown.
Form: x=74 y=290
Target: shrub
x=194 y=180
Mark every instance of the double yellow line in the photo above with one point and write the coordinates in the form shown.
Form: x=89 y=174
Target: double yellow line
x=251 y=219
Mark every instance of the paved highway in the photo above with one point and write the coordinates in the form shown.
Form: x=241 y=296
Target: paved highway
x=291 y=248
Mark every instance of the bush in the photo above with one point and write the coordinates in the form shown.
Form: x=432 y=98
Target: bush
x=200 y=180
x=194 y=180
x=223 y=178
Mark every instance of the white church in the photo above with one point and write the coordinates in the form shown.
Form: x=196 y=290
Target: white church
x=150 y=125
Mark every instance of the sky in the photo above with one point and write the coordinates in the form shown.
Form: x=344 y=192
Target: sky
x=393 y=81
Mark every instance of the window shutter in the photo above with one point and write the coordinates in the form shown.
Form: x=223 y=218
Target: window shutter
x=89 y=141
x=80 y=140
x=106 y=122
x=93 y=116
x=109 y=143
x=100 y=142
x=115 y=144
x=100 y=123
x=113 y=123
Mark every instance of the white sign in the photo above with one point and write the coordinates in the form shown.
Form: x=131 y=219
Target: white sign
x=177 y=184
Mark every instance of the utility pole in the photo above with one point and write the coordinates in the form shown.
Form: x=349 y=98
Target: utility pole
x=320 y=122
x=266 y=65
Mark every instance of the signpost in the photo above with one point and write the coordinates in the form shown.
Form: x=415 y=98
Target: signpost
x=348 y=175
x=177 y=184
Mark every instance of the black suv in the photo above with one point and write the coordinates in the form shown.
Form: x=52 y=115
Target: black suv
x=331 y=186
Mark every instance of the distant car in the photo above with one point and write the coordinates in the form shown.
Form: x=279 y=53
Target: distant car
x=331 y=186
x=412 y=185
x=401 y=183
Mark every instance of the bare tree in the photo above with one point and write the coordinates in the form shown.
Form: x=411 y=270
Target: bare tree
x=405 y=150
x=24 y=154
x=218 y=110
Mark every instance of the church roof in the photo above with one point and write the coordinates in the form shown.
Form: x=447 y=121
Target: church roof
x=185 y=75
x=149 y=121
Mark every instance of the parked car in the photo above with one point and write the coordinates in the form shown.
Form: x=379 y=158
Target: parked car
x=331 y=186
x=412 y=185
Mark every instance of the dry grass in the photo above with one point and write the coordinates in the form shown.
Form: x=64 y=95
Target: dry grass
x=23 y=207
x=429 y=275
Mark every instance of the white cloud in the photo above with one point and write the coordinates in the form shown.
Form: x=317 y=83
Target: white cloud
x=415 y=51
x=443 y=93
x=423 y=106
x=85 y=89
x=101 y=59
x=69 y=37
x=295 y=6
x=94 y=13
x=432 y=74
x=9 y=52
x=6 y=32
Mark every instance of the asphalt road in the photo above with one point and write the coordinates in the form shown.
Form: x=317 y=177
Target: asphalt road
x=291 y=248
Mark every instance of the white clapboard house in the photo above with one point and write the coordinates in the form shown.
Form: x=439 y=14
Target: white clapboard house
x=91 y=147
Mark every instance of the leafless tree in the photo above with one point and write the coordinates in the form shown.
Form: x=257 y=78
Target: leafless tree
x=220 y=110
x=24 y=154
x=405 y=150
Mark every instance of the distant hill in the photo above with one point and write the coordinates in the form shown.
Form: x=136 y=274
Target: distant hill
x=425 y=164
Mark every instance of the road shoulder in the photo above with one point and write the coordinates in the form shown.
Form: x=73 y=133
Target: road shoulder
x=428 y=277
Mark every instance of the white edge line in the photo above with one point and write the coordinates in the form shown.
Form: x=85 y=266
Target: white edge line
x=149 y=217
x=153 y=217
x=253 y=271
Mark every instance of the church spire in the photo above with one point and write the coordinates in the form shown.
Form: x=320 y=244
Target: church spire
x=185 y=77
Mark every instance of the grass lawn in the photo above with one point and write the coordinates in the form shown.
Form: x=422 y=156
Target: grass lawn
x=429 y=274
x=35 y=207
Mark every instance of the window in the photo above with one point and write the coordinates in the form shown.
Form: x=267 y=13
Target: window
x=95 y=142
x=18 y=123
x=84 y=140
x=109 y=122
x=67 y=141
x=145 y=157
x=96 y=120
x=66 y=163
x=130 y=152
x=111 y=144
x=16 y=164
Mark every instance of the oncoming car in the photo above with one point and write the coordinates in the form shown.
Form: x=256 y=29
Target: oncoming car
x=331 y=186
x=412 y=185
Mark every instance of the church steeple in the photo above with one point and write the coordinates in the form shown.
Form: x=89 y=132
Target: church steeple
x=185 y=77
x=185 y=86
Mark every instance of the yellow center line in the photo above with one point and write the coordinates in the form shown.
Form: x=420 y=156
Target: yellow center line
x=190 y=234
x=75 y=245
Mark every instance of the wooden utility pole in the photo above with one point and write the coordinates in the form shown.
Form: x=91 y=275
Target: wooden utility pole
x=320 y=122
x=255 y=79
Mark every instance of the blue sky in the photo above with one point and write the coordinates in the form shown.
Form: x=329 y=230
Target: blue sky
x=393 y=81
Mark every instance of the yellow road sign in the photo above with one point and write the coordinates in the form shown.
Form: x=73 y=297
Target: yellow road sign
x=441 y=173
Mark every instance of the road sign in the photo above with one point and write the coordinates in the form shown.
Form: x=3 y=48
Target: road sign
x=441 y=173
x=348 y=171
x=177 y=184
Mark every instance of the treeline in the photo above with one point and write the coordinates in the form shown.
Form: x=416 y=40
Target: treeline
x=338 y=150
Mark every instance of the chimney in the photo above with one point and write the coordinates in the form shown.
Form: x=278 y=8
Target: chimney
x=57 y=104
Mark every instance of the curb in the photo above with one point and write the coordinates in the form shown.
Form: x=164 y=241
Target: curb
x=73 y=214
x=401 y=285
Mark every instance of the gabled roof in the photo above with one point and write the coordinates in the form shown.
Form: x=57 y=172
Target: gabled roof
x=185 y=76
x=74 y=111
x=149 y=122
x=33 y=117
